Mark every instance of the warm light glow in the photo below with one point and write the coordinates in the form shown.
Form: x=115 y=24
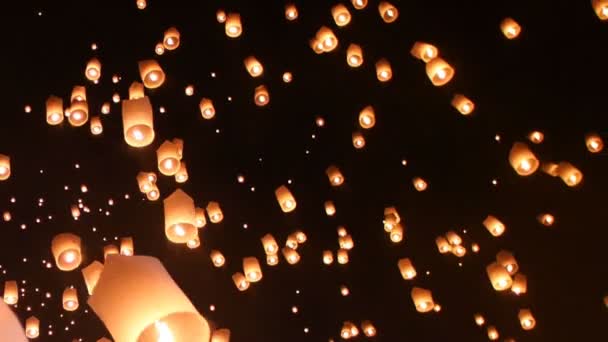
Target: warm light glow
x=164 y=333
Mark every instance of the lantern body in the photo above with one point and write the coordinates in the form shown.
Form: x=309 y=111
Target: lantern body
x=151 y=74
x=233 y=26
x=194 y=243
x=272 y=259
x=141 y=5
x=507 y=260
x=594 y=141
x=11 y=328
x=368 y=328
x=439 y=71
x=443 y=245
x=182 y=174
x=601 y=8
x=330 y=208
x=215 y=212
x=536 y=137
x=391 y=218
x=396 y=234
x=494 y=226
x=221 y=335
x=526 y=319
x=91 y=275
x=96 y=126
x=327 y=39
x=11 y=292
x=388 y=12
x=93 y=69
x=367 y=118
x=207 y=109
x=171 y=39
x=407 y=269
x=453 y=238
x=290 y=255
x=145 y=181
x=132 y=312
x=300 y=236
x=384 y=73
x=253 y=66
x=5 y=167
x=66 y=251
x=546 y=220
x=217 y=258
x=285 y=199
x=328 y=257
x=79 y=113
x=126 y=246
x=138 y=122
x=551 y=169
x=510 y=28
x=522 y=160
x=424 y=51
x=492 y=333
x=252 y=269
x=201 y=220
x=291 y=12
x=459 y=251
x=153 y=194
x=341 y=15
x=354 y=56
x=359 y=4
x=342 y=256
x=220 y=15
x=479 y=320
x=168 y=158
x=520 y=284
x=346 y=242
x=270 y=244
x=32 y=327
x=261 y=96
x=499 y=277
x=136 y=91
x=54 y=110
x=70 y=299
x=335 y=176
x=463 y=104
x=180 y=217
x=240 y=281
x=423 y=299
x=569 y=174
x=419 y=184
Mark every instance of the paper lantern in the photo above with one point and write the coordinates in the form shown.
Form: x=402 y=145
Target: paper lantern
x=66 y=251
x=526 y=319
x=217 y=258
x=287 y=77
x=240 y=281
x=141 y=4
x=194 y=243
x=569 y=174
x=328 y=257
x=522 y=160
x=151 y=74
x=5 y=167
x=136 y=91
x=443 y=245
x=96 y=126
x=153 y=194
x=157 y=311
x=201 y=220
x=367 y=117
x=384 y=73
x=6 y=216
x=479 y=320
x=103 y=339
x=300 y=236
x=475 y=248
x=359 y=4
x=396 y=234
x=253 y=66
x=419 y=184
x=341 y=15
x=507 y=260
x=285 y=199
x=189 y=90
x=75 y=211
x=180 y=217
x=70 y=299
x=145 y=180
x=291 y=12
x=316 y=45
x=93 y=69
x=342 y=256
x=182 y=174
x=423 y=299
x=453 y=238
x=439 y=71
x=168 y=158
x=221 y=335
x=252 y=269
x=91 y=275
x=79 y=113
x=32 y=327
x=220 y=15
x=536 y=137
x=179 y=144
x=270 y=244
x=388 y=12
x=290 y=255
x=126 y=246
x=550 y=169
x=546 y=219
x=408 y=272
x=492 y=333
x=215 y=212
x=233 y=25
x=520 y=284
x=261 y=96
x=463 y=104
x=272 y=259
x=327 y=38
x=335 y=176
x=424 y=51
x=207 y=109
x=391 y=218
x=138 y=122
x=110 y=250
x=368 y=328
x=11 y=328
x=54 y=110
x=354 y=56
x=11 y=292
x=79 y=94
x=601 y=8
x=594 y=141
x=171 y=39
x=494 y=226
x=510 y=28
x=159 y=49
x=330 y=208
x=499 y=277
x=341 y=231
x=292 y=241
x=459 y=251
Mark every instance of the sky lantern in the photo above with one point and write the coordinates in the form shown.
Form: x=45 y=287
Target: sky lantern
x=335 y=176
x=285 y=199
x=522 y=160
x=11 y=292
x=419 y=184
x=182 y=174
x=159 y=49
x=11 y=328
x=207 y=109
x=79 y=108
x=384 y=72
x=180 y=218
x=6 y=216
x=70 y=299
x=220 y=335
x=341 y=15
x=316 y=45
x=300 y=236
x=367 y=117
x=287 y=77
x=54 y=110
x=396 y=234
x=5 y=167
x=601 y=8
x=32 y=327
x=171 y=39
x=354 y=56
x=520 y=284
x=290 y=255
x=326 y=37
x=536 y=137
x=341 y=230
x=126 y=246
x=217 y=258
x=328 y=257
x=359 y=4
x=110 y=249
x=479 y=320
x=292 y=241
x=546 y=220
x=252 y=269
x=594 y=141
x=388 y=12
x=261 y=96
x=453 y=238
x=194 y=243
x=270 y=244
x=215 y=212
x=526 y=319
x=494 y=226
x=508 y=261
x=368 y=328
x=253 y=66
x=91 y=275
x=220 y=16
x=168 y=158
x=423 y=299
x=96 y=126
x=75 y=211
x=233 y=26
x=439 y=71
x=136 y=91
x=463 y=104
x=201 y=220
x=443 y=245
x=93 y=69
x=346 y=242
x=492 y=333
x=151 y=74
x=240 y=281
x=330 y=208
x=141 y=4
x=569 y=174
x=291 y=12
x=153 y=194
x=66 y=251
x=408 y=272
x=510 y=28
x=138 y=122
x=342 y=256
x=424 y=51
x=391 y=218
x=499 y=277
x=132 y=312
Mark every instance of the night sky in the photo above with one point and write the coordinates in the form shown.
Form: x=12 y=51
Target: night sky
x=548 y=79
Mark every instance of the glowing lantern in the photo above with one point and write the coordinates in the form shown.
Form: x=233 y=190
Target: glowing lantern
x=194 y=243
x=32 y=327
x=75 y=211
x=287 y=77
x=391 y=218
x=550 y=169
x=285 y=199
x=54 y=110
x=182 y=174
x=153 y=194
x=335 y=176
x=522 y=159
x=168 y=158
x=253 y=66
x=126 y=246
x=463 y=104
x=110 y=250
x=419 y=184
x=499 y=277
x=6 y=216
x=492 y=333
x=526 y=319
x=5 y=167
x=396 y=233
x=189 y=90
x=346 y=242
x=569 y=174
x=354 y=56
x=342 y=256
x=138 y=122
x=141 y=4
x=328 y=257
x=346 y=331
x=593 y=141
x=136 y=91
x=367 y=117
x=507 y=260
x=272 y=259
x=384 y=73
x=326 y=37
x=475 y=248
x=215 y=212
x=270 y=244
x=145 y=180
x=217 y=258
x=520 y=284
x=300 y=236
x=479 y=320
x=261 y=96
x=341 y=15
x=179 y=143
x=151 y=74
x=341 y=231
x=423 y=299
x=601 y=8
x=220 y=15
x=439 y=71
x=330 y=208
x=368 y=328
x=158 y=311
x=494 y=226
x=408 y=272
x=291 y=12
x=221 y=335
x=11 y=292
x=459 y=251
x=91 y=275
x=96 y=126
x=510 y=28
x=201 y=221
x=180 y=217
x=359 y=4
x=252 y=269
x=388 y=12
x=424 y=51
x=292 y=242
x=93 y=70
x=536 y=137
x=453 y=238
x=290 y=255
x=159 y=49
x=207 y=109
x=546 y=220
x=443 y=245
x=79 y=113
x=240 y=281
x=233 y=26
x=66 y=251
x=171 y=39
x=70 y=299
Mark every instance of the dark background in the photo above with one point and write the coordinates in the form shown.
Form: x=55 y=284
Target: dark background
x=551 y=78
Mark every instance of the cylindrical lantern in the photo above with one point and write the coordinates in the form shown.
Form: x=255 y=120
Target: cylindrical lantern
x=180 y=217
x=291 y=241
x=110 y=250
x=126 y=246
x=526 y=319
x=157 y=311
x=341 y=231
x=168 y=158
x=424 y=51
x=221 y=335
x=330 y=208
x=171 y=39
x=346 y=242
x=569 y=174
x=79 y=113
x=291 y=12
x=328 y=257
x=326 y=37
x=252 y=269
x=419 y=184
x=396 y=234
x=11 y=292
x=66 y=251
x=520 y=284
x=494 y=226
x=217 y=258
x=453 y=238
x=384 y=72
x=408 y=272
x=594 y=142
x=136 y=91
x=354 y=56
x=510 y=28
x=287 y=77
x=341 y=15
x=342 y=256
x=459 y=251
x=182 y=174
x=240 y=281
x=194 y=243
x=335 y=176
x=388 y=12
x=253 y=66
x=261 y=96
x=550 y=168
x=141 y=4
x=601 y=8
x=536 y=137
x=96 y=126
x=270 y=244
x=201 y=220
x=368 y=328
x=138 y=122
x=423 y=299
x=522 y=160
x=153 y=194
x=32 y=327
x=79 y=93
x=151 y=73
x=359 y=4
x=439 y=71
x=272 y=259
x=499 y=277
x=215 y=212
x=233 y=26
x=479 y=320
x=285 y=199
x=70 y=299
x=91 y=275
x=463 y=104
x=508 y=261
x=207 y=109
x=54 y=110
x=391 y=218
x=105 y=108
x=220 y=15
x=546 y=219
x=93 y=69
x=290 y=255
x=443 y=245
x=367 y=117
x=493 y=333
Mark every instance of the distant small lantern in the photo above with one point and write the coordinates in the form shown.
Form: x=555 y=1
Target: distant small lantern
x=93 y=69
x=388 y=12
x=359 y=4
x=261 y=96
x=508 y=261
x=285 y=198
x=443 y=245
x=326 y=37
x=522 y=160
x=499 y=277
x=168 y=158
x=272 y=259
x=194 y=243
x=221 y=335
x=341 y=230
x=171 y=39
x=151 y=74
x=291 y=12
x=346 y=242
x=550 y=169
x=300 y=236
x=601 y=8
x=201 y=220
x=141 y=5
x=253 y=66
x=328 y=257
x=475 y=248
x=330 y=208
x=54 y=110
x=368 y=328
x=463 y=104
x=159 y=49
x=233 y=26
x=70 y=299
x=341 y=15
x=217 y=258
x=391 y=218
x=220 y=16
x=96 y=126
x=215 y=212
x=423 y=299
x=32 y=327
x=408 y=272
x=335 y=176
x=180 y=218
x=290 y=255
x=479 y=320
x=367 y=117
x=419 y=184
x=453 y=238
x=182 y=174
x=594 y=141
x=79 y=113
x=424 y=51
x=207 y=109
x=354 y=56
x=569 y=174
x=384 y=72
x=439 y=72
x=126 y=246
x=342 y=256
x=105 y=108
x=292 y=241
x=189 y=90
x=153 y=194
x=494 y=226
x=287 y=77
x=510 y=28
x=11 y=292
x=396 y=233
x=459 y=251
x=91 y=275
x=270 y=244
x=6 y=216
x=536 y=137
x=546 y=220
x=252 y=269
x=66 y=251
x=492 y=333
x=5 y=167
x=526 y=319
x=520 y=284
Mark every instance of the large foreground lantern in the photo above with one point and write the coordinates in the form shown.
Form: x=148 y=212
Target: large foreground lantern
x=354 y=56
x=439 y=71
x=5 y=167
x=423 y=299
x=66 y=251
x=388 y=12
x=9 y=326
x=522 y=160
x=180 y=217
x=151 y=74
x=138 y=122
x=158 y=311
x=93 y=69
x=285 y=199
x=54 y=110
